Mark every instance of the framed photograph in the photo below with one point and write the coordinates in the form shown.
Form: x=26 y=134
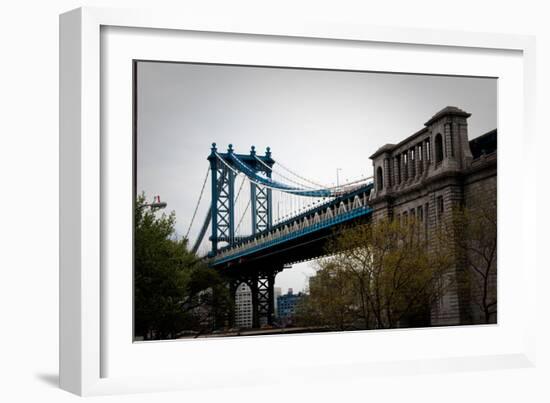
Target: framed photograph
x=233 y=193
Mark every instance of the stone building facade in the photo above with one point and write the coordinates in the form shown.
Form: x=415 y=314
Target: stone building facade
x=426 y=176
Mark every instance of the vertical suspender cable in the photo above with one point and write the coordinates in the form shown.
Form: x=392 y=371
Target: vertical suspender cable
x=198 y=203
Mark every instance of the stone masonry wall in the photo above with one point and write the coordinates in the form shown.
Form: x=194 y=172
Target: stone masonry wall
x=421 y=180
x=480 y=197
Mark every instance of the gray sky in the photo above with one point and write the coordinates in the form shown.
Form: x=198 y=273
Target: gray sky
x=314 y=121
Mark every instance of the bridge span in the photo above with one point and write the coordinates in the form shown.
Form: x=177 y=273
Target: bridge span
x=299 y=238
x=273 y=241
x=276 y=217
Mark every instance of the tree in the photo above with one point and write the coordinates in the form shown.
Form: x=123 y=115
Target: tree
x=392 y=274
x=330 y=302
x=476 y=234
x=174 y=291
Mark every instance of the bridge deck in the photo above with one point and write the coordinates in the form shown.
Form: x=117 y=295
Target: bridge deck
x=306 y=231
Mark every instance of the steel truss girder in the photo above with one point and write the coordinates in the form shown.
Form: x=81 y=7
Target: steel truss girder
x=261 y=208
x=223 y=201
x=261 y=284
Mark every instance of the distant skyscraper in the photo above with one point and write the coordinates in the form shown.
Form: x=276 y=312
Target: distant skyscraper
x=243 y=306
x=276 y=294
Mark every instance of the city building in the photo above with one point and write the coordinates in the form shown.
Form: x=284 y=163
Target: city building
x=286 y=306
x=243 y=306
x=276 y=294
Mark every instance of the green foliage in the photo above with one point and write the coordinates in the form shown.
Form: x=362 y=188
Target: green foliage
x=173 y=290
x=331 y=301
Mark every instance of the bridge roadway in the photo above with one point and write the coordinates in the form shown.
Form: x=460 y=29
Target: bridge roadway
x=302 y=237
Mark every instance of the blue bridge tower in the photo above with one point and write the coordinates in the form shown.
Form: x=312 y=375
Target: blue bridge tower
x=223 y=173
x=224 y=169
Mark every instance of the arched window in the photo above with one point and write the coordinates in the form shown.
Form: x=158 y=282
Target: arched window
x=379 y=179
x=438 y=148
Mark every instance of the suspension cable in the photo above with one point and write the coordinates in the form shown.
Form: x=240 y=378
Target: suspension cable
x=315 y=183
x=236 y=172
x=242 y=217
x=204 y=228
x=322 y=187
x=335 y=190
x=281 y=175
x=240 y=188
x=299 y=176
x=198 y=203
x=281 y=186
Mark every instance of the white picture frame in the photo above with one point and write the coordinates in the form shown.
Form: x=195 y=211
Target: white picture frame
x=93 y=350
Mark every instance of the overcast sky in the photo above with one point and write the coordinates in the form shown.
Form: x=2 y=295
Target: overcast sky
x=314 y=121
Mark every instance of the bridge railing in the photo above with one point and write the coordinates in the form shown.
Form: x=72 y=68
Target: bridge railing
x=330 y=214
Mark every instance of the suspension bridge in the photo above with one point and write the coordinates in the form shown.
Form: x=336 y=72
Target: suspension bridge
x=264 y=217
